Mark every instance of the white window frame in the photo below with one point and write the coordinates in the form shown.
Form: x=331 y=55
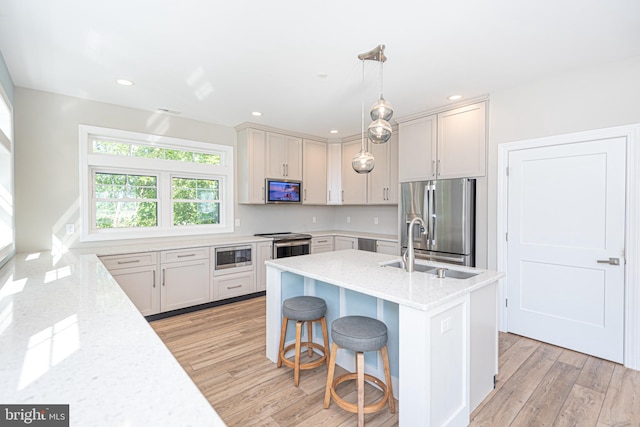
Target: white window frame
x=165 y=170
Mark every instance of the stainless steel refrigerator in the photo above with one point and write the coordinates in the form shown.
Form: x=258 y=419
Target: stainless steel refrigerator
x=447 y=207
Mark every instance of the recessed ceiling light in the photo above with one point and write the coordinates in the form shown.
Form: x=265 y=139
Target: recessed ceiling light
x=256 y=113
x=125 y=82
x=322 y=75
x=454 y=97
x=333 y=131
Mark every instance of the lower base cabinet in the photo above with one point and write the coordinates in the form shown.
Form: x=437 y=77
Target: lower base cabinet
x=184 y=284
x=233 y=285
x=322 y=244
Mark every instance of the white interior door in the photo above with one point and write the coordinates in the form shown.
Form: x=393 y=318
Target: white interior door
x=566 y=215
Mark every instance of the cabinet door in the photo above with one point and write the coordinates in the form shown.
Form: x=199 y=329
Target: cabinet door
x=390 y=248
x=139 y=283
x=293 y=159
x=383 y=179
x=276 y=156
x=233 y=285
x=321 y=244
x=342 y=242
x=314 y=171
x=417 y=149
x=184 y=284
x=462 y=142
x=334 y=174
x=264 y=253
x=354 y=185
x=251 y=166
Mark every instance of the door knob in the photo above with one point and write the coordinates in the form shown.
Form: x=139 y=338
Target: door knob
x=611 y=261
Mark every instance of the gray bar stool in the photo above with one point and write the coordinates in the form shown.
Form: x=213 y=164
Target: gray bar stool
x=303 y=309
x=359 y=334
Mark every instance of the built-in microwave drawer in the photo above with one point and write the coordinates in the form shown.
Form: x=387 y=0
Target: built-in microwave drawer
x=232 y=257
x=233 y=285
x=115 y=262
x=184 y=254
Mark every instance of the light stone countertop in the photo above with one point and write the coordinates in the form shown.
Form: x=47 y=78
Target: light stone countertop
x=70 y=335
x=362 y=272
x=357 y=234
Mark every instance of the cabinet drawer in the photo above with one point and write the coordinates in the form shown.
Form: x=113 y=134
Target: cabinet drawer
x=184 y=254
x=115 y=262
x=233 y=285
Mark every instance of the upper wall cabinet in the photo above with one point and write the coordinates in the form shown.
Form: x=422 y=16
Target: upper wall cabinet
x=284 y=156
x=354 y=185
x=314 y=172
x=382 y=183
x=251 y=165
x=451 y=144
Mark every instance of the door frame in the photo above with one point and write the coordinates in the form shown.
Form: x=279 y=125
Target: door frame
x=632 y=224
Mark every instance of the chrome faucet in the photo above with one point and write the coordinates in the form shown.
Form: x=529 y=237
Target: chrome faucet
x=409 y=257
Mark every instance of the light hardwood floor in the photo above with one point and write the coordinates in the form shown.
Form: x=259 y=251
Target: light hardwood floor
x=223 y=350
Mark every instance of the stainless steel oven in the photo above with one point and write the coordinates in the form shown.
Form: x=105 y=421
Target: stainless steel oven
x=289 y=244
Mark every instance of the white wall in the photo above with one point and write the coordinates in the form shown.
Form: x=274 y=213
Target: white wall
x=578 y=100
x=46 y=134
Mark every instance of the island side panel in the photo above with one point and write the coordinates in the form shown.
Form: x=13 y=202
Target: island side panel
x=434 y=364
x=274 y=312
x=484 y=342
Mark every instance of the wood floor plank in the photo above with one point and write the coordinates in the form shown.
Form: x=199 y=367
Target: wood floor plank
x=581 y=408
x=223 y=350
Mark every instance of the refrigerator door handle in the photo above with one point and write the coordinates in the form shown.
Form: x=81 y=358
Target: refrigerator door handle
x=427 y=211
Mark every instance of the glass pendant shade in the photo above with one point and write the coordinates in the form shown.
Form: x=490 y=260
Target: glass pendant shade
x=379 y=131
x=363 y=162
x=382 y=109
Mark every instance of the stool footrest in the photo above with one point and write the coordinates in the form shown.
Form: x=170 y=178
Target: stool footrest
x=353 y=407
x=308 y=365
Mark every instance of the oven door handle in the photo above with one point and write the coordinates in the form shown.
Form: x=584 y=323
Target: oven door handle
x=291 y=243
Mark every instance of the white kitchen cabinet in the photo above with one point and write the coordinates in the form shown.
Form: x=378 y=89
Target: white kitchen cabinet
x=284 y=156
x=385 y=247
x=321 y=244
x=251 y=165
x=137 y=275
x=314 y=172
x=233 y=285
x=450 y=144
x=382 y=182
x=462 y=142
x=354 y=185
x=417 y=149
x=334 y=174
x=264 y=252
x=185 y=278
x=344 y=242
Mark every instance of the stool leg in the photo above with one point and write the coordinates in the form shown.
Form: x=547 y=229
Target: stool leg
x=387 y=377
x=283 y=332
x=325 y=335
x=296 y=365
x=310 y=337
x=360 y=373
x=332 y=368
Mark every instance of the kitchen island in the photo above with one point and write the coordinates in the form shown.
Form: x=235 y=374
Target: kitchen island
x=443 y=338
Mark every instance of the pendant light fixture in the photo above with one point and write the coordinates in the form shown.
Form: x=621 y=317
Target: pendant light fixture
x=379 y=130
x=363 y=162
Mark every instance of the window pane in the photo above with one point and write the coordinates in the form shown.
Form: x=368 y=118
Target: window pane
x=126 y=214
x=195 y=213
x=102 y=146
x=110 y=147
x=195 y=189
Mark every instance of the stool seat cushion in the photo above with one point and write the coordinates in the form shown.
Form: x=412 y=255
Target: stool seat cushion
x=304 y=308
x=359 y=333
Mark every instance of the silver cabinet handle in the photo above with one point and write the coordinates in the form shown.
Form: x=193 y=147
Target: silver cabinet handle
x=185 y=256
x=163 y=277
x=433 y=168
x=262 y=191
x=439 y=167
x=129 y=262
x=305 y=194
x=329 y=195
x=610 y=261
x=234 y=287
x=287 y=169
x=154 y=278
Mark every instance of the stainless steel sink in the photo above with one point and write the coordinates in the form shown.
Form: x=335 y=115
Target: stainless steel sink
x=448 y=273
x=418 y=267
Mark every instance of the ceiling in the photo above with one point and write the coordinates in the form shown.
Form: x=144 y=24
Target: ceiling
x=218 y=61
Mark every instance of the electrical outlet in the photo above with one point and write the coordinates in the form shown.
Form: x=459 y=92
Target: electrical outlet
x=348 y=220
x=237 y=222
x=71 y=228
x=313 y=219
x=375 y=220
x=445 y=325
